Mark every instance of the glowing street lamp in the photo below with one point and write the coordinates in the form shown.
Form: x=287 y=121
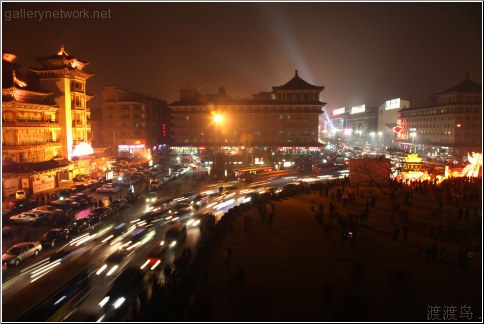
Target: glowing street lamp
x=217 y=118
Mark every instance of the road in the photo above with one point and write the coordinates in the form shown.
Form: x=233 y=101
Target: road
x=93 y=244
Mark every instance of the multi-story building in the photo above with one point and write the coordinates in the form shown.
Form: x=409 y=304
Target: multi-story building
x=30 y=125
x=388 y=114
x=362 y=124
x=64 y=76
x=452 y=124
x=285 y=118
x=133 y=123
x=46 y=132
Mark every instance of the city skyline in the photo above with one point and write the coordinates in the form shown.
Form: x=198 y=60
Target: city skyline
x=360 y=52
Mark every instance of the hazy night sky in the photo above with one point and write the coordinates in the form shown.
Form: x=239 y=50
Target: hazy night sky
x=363 y=53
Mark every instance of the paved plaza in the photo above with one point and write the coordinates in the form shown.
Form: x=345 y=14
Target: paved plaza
x=300 y=270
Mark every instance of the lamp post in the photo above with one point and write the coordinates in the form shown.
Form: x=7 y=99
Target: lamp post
x=413 y=133
x=218 y=120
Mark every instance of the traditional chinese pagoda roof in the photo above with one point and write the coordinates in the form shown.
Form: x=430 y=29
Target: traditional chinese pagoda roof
x=296 y=83
x=465 y=86
x=17 y=85
x=61 y=60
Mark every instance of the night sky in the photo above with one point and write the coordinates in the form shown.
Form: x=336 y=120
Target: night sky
x=363 y=53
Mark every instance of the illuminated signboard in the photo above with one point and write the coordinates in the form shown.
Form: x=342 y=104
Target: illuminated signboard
x=357 y=109
x=392 y=104
x=339 y=111
x=135 y=146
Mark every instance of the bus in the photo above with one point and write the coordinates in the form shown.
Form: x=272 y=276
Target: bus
x=51 y=298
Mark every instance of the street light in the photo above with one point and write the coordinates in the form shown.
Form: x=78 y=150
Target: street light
x=217 y=118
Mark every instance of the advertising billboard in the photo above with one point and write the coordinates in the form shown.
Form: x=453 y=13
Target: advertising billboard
x=357 y=109
x=339 y=111
x=392 y=104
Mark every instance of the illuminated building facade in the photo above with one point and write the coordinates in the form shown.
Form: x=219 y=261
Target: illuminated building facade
x=65 y=78
x=388 y=115
x=30 y=125
x=451 y=125
x=286 y=117
x=133 y=123
x=46 y=123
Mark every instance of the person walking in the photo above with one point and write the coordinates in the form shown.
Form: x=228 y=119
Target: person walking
x=228 y=255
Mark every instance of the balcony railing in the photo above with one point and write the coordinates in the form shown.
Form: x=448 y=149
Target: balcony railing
x=29 y=123
x=29 y=144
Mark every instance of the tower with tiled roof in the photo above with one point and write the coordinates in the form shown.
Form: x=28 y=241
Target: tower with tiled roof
x=64 y=76
x=30 y=127
x=297 y=90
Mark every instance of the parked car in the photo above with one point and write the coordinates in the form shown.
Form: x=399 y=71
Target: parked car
x=119 y=204
x=54 y=236
x=132 y=197
x=81 y=178
x=83 y=202
x=99 y=214
x=17 y=207
x=65 y=204
x=78 y=188
x=20 y=194
x=155 y=185
x=78 y=226
x=49 y=209
x=108 y=189
x=32 y=217
x=21 y=251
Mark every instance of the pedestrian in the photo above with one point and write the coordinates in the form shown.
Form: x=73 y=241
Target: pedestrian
x=241 y=276
x=110 y=199
x=405 y=231
x=228 y=255
x=100 y=202
x=312 y=205
x=273 y=208
x=271 y=215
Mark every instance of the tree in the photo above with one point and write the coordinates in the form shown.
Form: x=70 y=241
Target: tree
x=219 y=165
x=375 y=172
x=246 y=139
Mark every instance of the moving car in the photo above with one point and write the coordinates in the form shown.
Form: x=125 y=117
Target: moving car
x=176 y=234
x=21 y=251
x=151 y=197
x=155 y=257
x=115 y=262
